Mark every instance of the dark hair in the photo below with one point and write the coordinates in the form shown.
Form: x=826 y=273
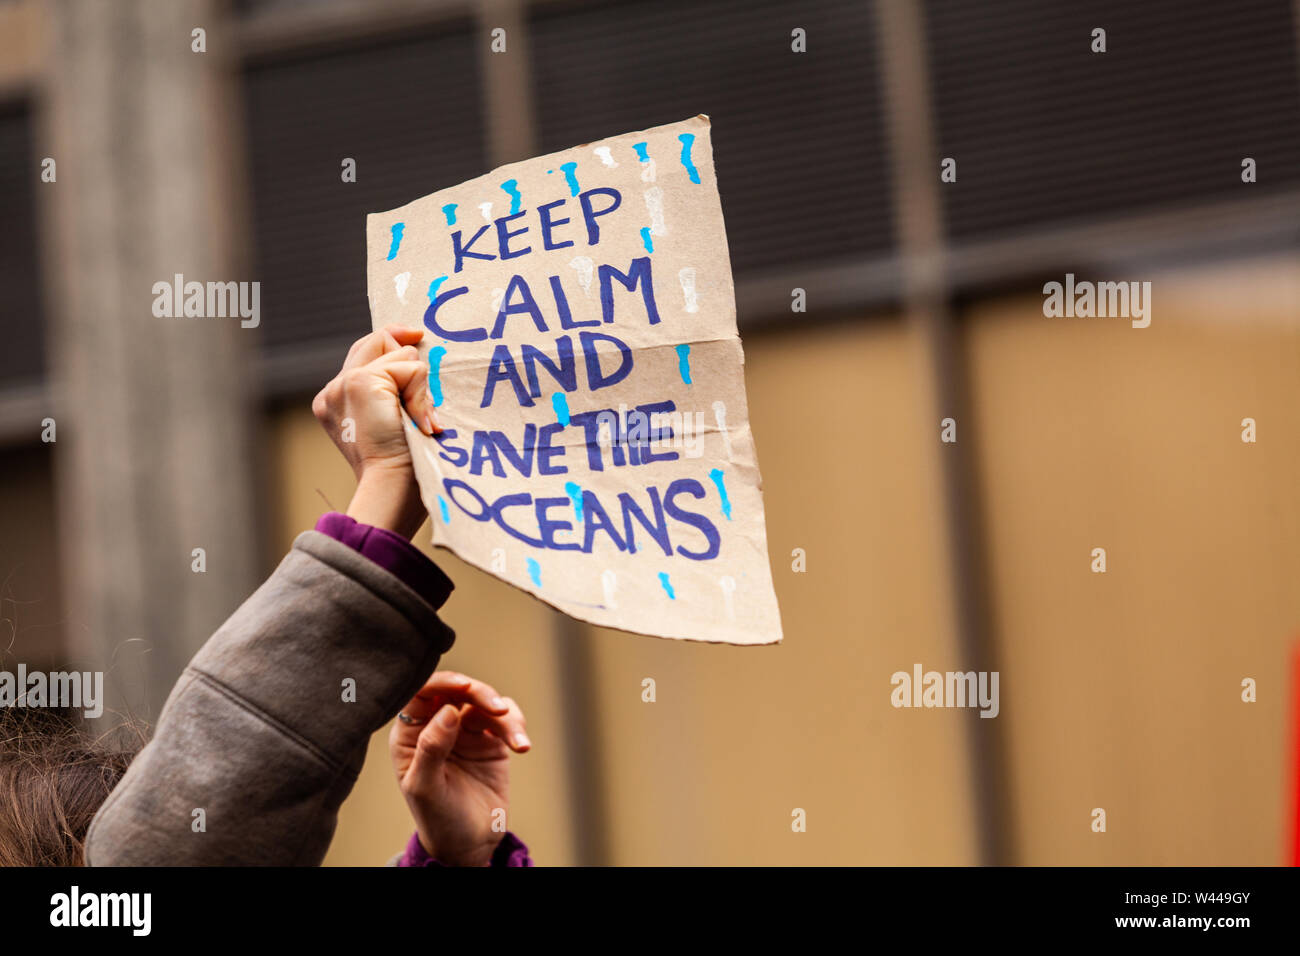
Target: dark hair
x=53 y=778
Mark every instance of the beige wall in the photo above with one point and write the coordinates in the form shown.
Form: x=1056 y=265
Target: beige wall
x=22 y=45
x=1123 y=690
x=739 y=737
x=1119 y=691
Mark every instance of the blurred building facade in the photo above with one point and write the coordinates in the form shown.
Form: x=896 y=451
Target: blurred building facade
x=1120 y=690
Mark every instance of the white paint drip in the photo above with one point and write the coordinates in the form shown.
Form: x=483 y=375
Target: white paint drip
x=654 y=204
x=400 y=282
x=605 y=157
x=720 y=415
x=608 y=581
x=728 y=585
x=604 y=433
x=686 y=277
x=586 y=269
x=486 y=209
x=497 y=296
x=648 y=171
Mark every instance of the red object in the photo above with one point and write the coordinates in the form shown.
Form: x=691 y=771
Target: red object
x=1295 y=757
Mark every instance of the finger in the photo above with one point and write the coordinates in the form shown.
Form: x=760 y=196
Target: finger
x=400 y=338
x=425 y=774
x=387 y=374
x=404 y=335
x=457 y=687
x=364 y=351
x=419 y=403
x=508 y=727
x=411 y=377
x=397 y=339
x=479 y=744
x=370 y=347
x=442 y=688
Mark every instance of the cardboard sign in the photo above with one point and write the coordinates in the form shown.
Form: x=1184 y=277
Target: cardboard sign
x=580 y=332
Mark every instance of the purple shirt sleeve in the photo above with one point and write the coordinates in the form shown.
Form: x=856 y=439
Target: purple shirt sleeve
x=509 y=852
x=391 y=552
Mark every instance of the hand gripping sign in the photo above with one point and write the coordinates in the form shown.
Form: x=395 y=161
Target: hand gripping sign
x=580 y=332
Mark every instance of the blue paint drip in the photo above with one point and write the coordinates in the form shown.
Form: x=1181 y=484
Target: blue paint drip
x=570 y=171
x=641 y=152
x=668 y=588
x=646 y=240
x=511 y=186
x=398 y=229
x=435 y=374
x=535 y=572
x=716 y=475
x=684 y=362
x=433 y=287
x=446 y=512
x=688 y=140
x=449 y=211
x=561 y=406
x=574 y=491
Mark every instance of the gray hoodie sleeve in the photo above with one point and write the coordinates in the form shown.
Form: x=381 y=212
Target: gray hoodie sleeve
x=258 y=733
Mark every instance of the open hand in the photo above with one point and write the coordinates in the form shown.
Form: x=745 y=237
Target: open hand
x=452 y=759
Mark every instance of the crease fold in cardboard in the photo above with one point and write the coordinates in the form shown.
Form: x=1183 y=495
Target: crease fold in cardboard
x=580 y=333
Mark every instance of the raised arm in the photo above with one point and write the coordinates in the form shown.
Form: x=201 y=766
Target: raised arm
x=264 y=734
